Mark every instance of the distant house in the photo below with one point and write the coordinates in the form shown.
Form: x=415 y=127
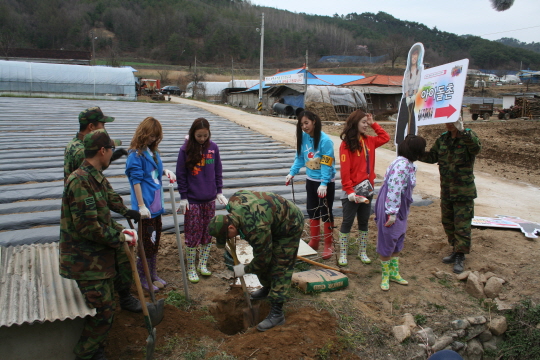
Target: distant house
x=48 y=56
x=384 y=91
x=531 y=77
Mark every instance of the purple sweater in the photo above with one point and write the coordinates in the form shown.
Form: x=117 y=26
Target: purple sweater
x=205 y=181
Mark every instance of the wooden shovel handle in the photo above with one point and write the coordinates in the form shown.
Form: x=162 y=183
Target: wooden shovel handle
x=325 y=266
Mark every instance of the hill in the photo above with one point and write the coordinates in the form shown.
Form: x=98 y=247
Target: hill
x=221 y=31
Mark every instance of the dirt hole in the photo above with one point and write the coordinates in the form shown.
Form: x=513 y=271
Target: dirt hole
x=229 y=311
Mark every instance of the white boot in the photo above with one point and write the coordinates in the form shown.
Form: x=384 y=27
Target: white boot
x=343 y=245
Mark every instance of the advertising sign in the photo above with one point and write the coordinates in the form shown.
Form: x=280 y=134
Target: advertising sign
x=440 y=94
x=285 y=79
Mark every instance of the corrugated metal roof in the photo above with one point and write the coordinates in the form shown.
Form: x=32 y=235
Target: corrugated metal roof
x=382 y=90
x=339 y=79
x=383 y=80
x=32 y=290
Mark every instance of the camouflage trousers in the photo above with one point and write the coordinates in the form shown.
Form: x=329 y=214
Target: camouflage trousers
x=98 y=294
x=456 y=219
x=124 y=277
x=278 y=275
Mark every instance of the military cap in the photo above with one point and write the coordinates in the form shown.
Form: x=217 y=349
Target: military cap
x=93 y=114
x=218 y=228
x=97 y=139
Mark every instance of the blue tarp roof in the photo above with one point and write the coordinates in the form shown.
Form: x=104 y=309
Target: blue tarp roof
x=315 y=79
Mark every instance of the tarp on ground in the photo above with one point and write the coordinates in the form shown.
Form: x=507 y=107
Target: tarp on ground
x=77 y=81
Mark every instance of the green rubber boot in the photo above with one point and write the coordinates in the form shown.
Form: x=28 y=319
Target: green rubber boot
x=204 y=253
x=191 y=254
x=362 y=255
x=343 y=245
x=385 y=267
x=394 y=272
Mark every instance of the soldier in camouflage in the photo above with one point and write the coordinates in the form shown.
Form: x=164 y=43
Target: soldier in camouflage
x=273 y=226
x=91 y=251
x=455 y=151
x=89 y=120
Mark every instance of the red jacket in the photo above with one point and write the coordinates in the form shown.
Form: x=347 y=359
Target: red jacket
x=353 y=165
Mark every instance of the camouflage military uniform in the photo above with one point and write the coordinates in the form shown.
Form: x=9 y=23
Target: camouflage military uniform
x=73 y=155
x=91 y=250
x=273 y=226
x=455 y=157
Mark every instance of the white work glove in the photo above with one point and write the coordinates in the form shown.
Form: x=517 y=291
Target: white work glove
x=288 y=179
x=222 y=199
x=183 y=207
x=459 y=125
x=408 y=100
x=357 y=199
x=170 y=175
x=145 y=213
x=391 y=220
x=239 y=270
x=321 y=191
x=131 y=237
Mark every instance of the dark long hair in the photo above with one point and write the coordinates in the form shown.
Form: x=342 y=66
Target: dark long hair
x=316 y=134
x=412 y=147
x=194 y=150
x=350 y=132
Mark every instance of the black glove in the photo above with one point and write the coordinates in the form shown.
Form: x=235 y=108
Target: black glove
x=118 y=153
x=133 y=214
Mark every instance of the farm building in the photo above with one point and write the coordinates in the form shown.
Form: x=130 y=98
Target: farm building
x=60 y=80
x=383 y=91
x=531 y=77
x=336 y=100
x=208 y=90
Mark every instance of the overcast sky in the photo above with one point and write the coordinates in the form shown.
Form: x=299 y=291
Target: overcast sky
x=460 y=17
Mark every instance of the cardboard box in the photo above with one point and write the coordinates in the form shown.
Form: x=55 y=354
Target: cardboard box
x=320 y=280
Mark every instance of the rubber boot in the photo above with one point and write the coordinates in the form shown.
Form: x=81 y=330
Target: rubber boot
x=204 y=253
x=343 y=245
x=142 y=275
x=315 y=232
x=191 y=254
x=129 y=302
x=275 y=317
x=260 y=294
x=328 y=240
x=152 y=264
x=385 y=267
x=362 y=240
x=394 y=272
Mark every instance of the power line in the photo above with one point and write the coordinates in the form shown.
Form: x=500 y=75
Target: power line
x=501 y=32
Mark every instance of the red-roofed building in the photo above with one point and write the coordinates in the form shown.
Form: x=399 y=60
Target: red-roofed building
x=385 y=92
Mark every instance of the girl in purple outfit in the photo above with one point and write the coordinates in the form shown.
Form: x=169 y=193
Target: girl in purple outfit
x=392 y=207
x=199 y=175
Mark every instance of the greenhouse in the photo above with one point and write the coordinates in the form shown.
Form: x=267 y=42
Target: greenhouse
x=71 y=81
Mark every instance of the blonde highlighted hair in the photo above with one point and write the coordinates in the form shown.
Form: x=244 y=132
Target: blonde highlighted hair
x=147 y=128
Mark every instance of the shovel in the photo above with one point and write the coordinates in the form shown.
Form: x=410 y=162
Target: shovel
x=178 y=242
x=301 y=258
x=156 y=308
x=251 y=314
x=151 y=340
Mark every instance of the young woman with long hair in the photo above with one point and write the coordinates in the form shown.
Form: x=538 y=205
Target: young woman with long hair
x=144 y=169
x=315 y=151
x=200 y=183
x=357 y=160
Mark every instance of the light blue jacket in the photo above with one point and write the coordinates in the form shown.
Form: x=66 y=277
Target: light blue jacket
x=325 y=152
x=142 y=169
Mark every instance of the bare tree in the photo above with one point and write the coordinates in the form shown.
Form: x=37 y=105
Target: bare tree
x=198 y=88
x=163 y=75
x=395 y=46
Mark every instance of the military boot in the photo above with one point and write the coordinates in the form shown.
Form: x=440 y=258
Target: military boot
x=450 y=258
x=459 y=263
x=129 y=302
x=260 y=294
x=275 y=317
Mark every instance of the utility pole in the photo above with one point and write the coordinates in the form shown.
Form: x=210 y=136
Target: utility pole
x=93 y=47
x=259 y=105
x=232 y=71
x=306 y=74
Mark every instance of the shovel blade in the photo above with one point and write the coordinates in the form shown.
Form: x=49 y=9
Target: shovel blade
x=155 y=311
x=151 y=345
x=251 y=316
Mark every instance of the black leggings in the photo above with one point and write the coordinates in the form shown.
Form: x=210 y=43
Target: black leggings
x=318 y=208
x=403 y=121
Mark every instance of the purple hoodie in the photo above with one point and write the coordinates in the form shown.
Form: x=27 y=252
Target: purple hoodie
x=205 y=181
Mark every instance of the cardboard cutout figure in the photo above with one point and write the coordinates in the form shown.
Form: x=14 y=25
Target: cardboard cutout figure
x=527 y=227
x=406 y=122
